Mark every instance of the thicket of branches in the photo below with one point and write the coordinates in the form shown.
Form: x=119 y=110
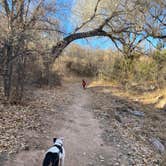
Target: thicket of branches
x=30 y=28
x=25 y=42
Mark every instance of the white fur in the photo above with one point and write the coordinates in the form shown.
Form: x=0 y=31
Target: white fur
x=54 y=149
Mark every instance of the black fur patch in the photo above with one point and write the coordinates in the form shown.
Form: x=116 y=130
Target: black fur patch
x=54 y=140
x=51 y=158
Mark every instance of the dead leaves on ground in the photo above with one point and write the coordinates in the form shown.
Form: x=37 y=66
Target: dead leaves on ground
x=131 y=133
x=14 y=121
x=17 y=120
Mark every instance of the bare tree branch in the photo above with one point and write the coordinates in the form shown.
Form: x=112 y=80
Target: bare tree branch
x=90 y=19
x=6 y=6
x=47 y=29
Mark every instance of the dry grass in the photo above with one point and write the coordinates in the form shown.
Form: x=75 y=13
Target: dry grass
x=156 y=97
x=149 y=102
x=102 y=83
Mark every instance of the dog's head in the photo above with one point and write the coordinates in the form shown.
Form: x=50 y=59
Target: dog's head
x=58 y=141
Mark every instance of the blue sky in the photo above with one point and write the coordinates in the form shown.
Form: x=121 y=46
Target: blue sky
x=98 y=43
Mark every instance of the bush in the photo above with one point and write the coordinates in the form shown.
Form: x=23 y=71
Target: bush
x=54 y=79
x=40 y=74
x=87 y=69
x=145 y=71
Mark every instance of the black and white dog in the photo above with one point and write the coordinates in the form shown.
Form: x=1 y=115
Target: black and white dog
x=56 y=154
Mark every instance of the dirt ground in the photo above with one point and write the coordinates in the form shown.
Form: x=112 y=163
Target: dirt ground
x=93 y=134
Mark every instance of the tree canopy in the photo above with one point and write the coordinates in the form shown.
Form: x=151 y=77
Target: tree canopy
x=127 y=23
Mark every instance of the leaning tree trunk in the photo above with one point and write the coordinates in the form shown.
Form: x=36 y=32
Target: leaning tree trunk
x=61 y=45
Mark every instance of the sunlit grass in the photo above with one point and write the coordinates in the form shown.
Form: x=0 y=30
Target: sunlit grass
x=156 y=97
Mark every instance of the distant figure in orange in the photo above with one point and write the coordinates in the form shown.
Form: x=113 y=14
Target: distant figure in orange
x=84 y=84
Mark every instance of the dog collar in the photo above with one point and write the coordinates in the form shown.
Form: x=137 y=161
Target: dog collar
x=57 y=143
x=59 y=147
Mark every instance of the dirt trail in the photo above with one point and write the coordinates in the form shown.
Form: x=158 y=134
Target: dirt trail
x=81 y=132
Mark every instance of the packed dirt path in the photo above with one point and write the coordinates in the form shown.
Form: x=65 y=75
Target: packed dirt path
x=82 y=132
x=80 y=129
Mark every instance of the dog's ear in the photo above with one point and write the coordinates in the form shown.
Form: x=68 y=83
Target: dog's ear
x=54 y=140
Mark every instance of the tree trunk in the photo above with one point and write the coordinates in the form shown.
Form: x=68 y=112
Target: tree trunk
x=20 y=78
x=8 y=66
x=57 y=50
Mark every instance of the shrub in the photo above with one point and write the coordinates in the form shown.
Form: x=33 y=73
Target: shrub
x=40 y=74
x=145 y=71
x=80 y=68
